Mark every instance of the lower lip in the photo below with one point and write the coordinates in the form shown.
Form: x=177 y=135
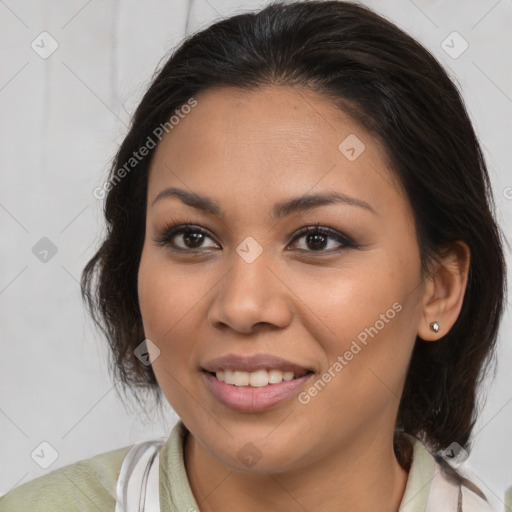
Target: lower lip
x=253 y=399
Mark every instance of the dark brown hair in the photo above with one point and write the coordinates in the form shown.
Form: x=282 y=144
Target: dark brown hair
x=396 y=89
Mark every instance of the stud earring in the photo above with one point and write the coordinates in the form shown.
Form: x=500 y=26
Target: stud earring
x=434 y=326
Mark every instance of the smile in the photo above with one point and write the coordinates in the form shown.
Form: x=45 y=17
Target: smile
x=250 y=398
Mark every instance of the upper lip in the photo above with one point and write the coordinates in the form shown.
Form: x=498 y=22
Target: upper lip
x=253 y=363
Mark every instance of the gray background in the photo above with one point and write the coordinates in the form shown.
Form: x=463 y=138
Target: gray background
x=62 y=118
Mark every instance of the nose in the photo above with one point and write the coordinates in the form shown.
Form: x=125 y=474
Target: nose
x=251 y=296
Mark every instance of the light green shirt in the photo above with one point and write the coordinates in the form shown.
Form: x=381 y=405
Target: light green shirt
x=90 y=484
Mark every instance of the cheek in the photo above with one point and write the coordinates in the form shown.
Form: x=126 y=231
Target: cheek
x=165 y=294
x=344 y=301
x=160 y=310
x=363 y=315
x=151 y=299
x=172 y=300
x=164 y=301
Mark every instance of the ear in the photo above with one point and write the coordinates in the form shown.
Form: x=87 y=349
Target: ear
x=444 y=291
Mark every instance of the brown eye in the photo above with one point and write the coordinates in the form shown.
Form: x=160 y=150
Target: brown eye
x=192 y=237
x=316 y=239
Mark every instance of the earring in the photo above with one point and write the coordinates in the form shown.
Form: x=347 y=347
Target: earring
x=434 y=326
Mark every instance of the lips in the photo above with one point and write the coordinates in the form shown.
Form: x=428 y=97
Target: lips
x=254 y=396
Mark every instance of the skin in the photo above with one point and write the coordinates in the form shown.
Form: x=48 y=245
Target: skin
x=248 y=151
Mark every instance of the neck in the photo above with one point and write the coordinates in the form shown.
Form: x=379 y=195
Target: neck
x=353 y=479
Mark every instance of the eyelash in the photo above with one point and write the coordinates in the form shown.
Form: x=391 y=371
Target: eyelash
x=171 y=230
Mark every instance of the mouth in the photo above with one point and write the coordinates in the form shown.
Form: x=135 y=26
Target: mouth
x=255 y=383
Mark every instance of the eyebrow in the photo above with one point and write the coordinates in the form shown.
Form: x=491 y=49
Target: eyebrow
x=280 y=210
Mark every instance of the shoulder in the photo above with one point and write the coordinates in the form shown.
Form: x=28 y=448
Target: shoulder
x=89 y=484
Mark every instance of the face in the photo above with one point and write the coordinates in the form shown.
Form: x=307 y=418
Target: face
x=245 y=292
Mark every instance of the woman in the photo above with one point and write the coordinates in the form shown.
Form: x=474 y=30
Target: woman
x=302 y=257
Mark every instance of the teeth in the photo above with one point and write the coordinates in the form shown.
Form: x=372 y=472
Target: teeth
x=240 y=378
x=255 y=379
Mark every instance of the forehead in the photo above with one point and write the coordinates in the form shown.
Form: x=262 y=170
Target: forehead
x=278 y=140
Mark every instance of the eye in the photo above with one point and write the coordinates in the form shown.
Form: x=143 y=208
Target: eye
x=191 y=236
x=317 y=238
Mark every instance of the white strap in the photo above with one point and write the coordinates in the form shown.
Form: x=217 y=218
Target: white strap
x=443 y=495
x=152 y=503
x=138 y=482
x=447 y=495
x=473 y=503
